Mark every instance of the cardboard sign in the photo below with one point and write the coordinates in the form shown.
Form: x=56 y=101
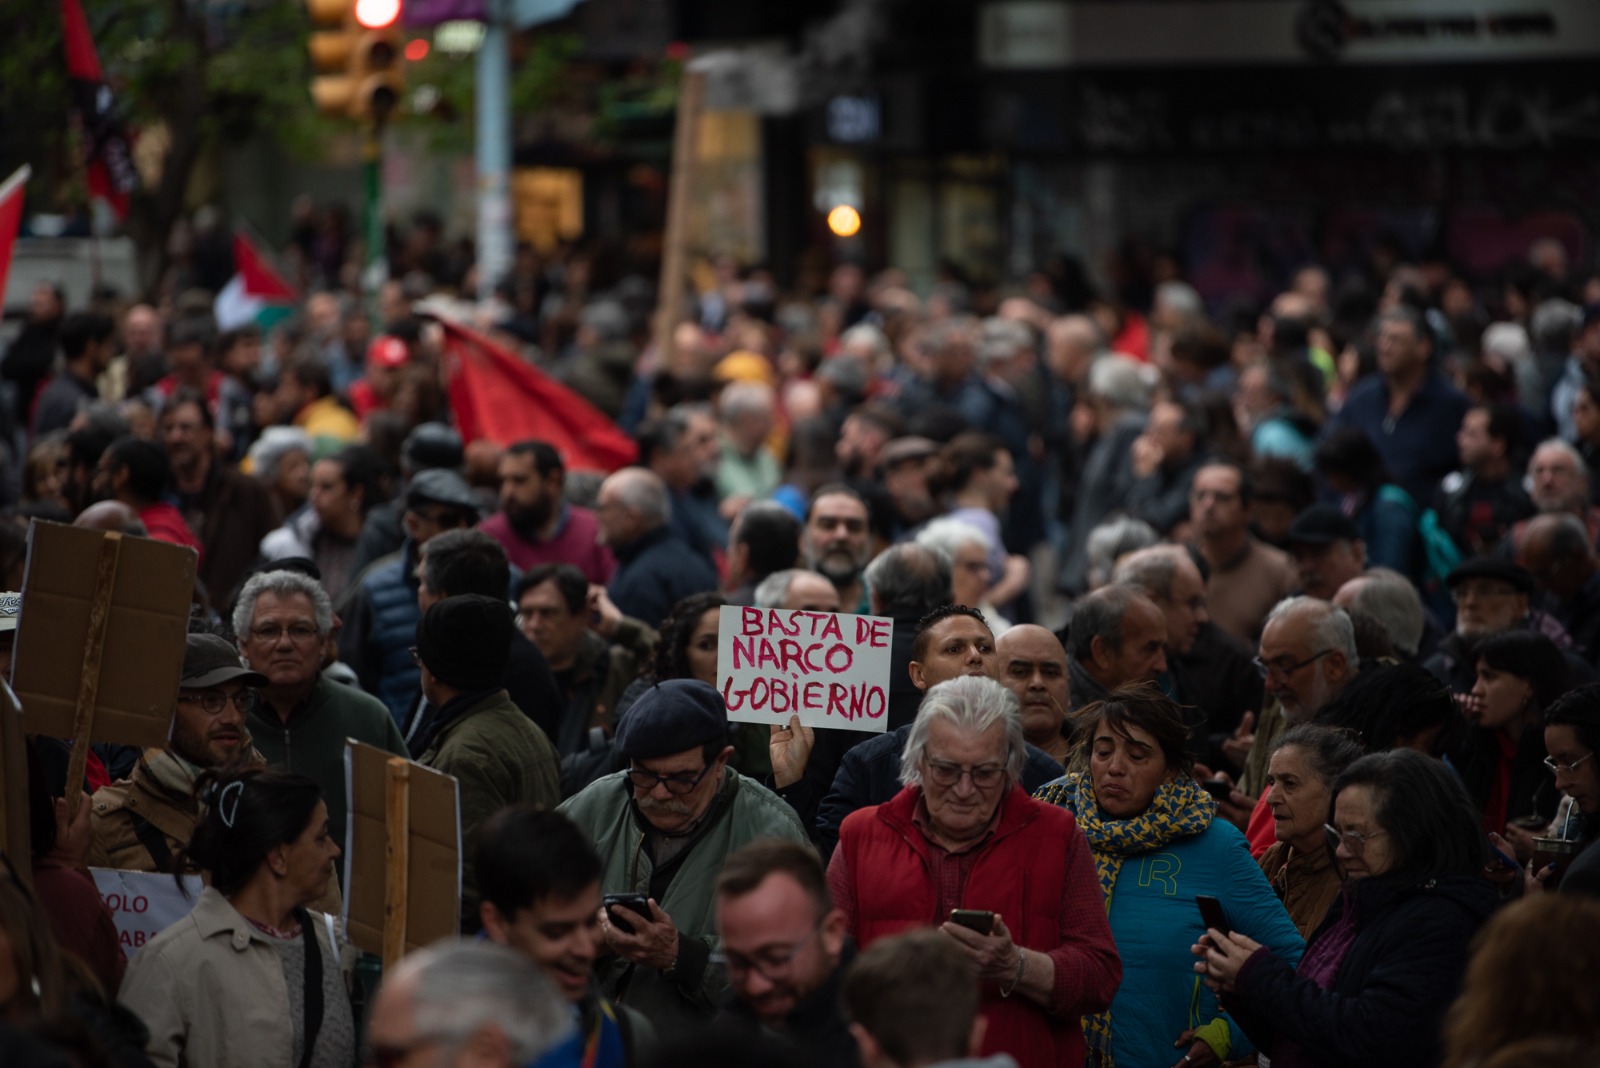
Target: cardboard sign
x=101 y=636
x=18 y=842
x=430 y=878
x=144 y=903
x=832 y=670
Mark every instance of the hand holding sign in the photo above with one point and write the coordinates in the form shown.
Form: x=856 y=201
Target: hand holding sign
x=830 y=670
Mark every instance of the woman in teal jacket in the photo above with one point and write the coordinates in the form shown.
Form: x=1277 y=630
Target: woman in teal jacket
x=1157 y=846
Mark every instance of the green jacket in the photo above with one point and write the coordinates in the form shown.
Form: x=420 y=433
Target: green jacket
x=498 y=758
x=744 y=810
x=312 y=742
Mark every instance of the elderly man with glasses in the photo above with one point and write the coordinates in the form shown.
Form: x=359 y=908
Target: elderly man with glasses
x=663 y=828
x=964 y=848
x=284 y=625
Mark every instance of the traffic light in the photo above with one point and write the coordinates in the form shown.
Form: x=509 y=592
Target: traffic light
x=355 y=53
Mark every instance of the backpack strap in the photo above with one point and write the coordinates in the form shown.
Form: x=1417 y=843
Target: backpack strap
x=154 y=841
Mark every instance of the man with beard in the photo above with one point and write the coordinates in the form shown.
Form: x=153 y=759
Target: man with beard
x=141 y=822
x=663 y=828
x=536 y=525
x=837 y=542
x=1307 y=657
x=229 y=512
x=786 y=951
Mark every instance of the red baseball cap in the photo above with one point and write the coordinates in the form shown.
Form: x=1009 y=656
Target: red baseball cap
x=386 y=351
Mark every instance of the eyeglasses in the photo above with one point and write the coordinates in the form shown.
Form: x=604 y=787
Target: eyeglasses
x=416 y=657
x=214 y=700
x=944 y=773
x=1565 y=769
x=1285 y=670
x=272 y=633
x=679 y=783
x=1356 y=843
x=769 y=963
x=381 y=1055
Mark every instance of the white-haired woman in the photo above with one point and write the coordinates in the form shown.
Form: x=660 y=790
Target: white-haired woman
x=969 y=549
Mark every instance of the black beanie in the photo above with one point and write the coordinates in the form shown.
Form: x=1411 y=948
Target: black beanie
x=466 y=640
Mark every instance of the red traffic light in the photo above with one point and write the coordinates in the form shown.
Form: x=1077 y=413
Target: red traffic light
x=377 y=14
x=417 y=50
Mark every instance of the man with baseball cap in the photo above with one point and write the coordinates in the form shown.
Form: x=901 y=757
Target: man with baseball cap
x=380 y=616
x=141 y=822
x=663 y=828
x=385 y=357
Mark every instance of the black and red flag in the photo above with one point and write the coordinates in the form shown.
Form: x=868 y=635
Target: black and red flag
x=109 y=156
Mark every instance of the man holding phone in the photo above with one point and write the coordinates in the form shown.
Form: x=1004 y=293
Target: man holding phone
x=663 y=828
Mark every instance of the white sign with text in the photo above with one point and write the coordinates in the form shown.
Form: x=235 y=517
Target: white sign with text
x=144 y=903
x=832 y=670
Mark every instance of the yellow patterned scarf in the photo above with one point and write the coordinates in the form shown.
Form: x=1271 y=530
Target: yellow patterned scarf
x=1181 y=809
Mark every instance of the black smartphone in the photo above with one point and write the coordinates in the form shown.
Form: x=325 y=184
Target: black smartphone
x=1218 y=789
x=639 y=903
x=1211 y=913
x=974 y=920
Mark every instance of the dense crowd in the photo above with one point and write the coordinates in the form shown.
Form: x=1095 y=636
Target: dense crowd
x=1244 y=670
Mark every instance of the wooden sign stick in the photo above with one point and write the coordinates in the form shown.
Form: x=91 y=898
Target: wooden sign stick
x=397 y=859
x=89 y=679
x=674 y=256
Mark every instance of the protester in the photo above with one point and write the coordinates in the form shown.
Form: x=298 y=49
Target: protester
x=1516 y=989
x=1118 y=636
x=663 y=827
x=1047 y=956
x=655 y=567
x=912 y=1000
x=1306 y=761
x=1132 y=791
x=1571 y=737
x=536 y=525
x=1033 y=666
x=344 y=488
x=483 y=1004
x=143 y=822
x=479 y=737
x=1384 y=966
x=539 y=893
x=785 y=949
x=250 y=977
x=283 y=622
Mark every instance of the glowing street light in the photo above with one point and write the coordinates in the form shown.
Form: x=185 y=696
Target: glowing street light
x=844 y=221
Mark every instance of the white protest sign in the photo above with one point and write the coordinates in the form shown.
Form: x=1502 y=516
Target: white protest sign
x=144 y=903
x=830 y=669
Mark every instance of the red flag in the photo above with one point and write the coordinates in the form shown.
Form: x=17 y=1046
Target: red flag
x=497 y=396
x=10 y=219
x=260 y=279
x=111 y=173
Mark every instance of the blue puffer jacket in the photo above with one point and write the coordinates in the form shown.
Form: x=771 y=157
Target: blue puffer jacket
x=1155 y=921
x=380 y=626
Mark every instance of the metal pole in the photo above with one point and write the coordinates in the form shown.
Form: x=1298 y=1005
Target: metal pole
x=372 y=183
x=494 y=150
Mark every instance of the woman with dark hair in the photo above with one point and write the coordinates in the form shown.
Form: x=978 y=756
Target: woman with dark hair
x=1572 y=737
x=1306 y=761
x=1157 y=845
x=250 y=978
x=1384 y=513
x=1384 y=965
x=977 y=476
x=1520 y=674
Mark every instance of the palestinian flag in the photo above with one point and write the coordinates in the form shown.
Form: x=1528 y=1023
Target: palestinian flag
x=110 y=159
x=256 y=293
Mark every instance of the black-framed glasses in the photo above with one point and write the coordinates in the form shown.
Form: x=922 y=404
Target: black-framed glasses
x=679 y=783
x=984 y=776
x=214 y=700
x=1565 y=769
x=1355 y=842
x=1285 y=670
x=769 y=963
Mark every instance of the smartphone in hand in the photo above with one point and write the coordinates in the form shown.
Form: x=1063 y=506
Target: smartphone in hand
x=615 y=903
x=1211 y=913
x=974 y=920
